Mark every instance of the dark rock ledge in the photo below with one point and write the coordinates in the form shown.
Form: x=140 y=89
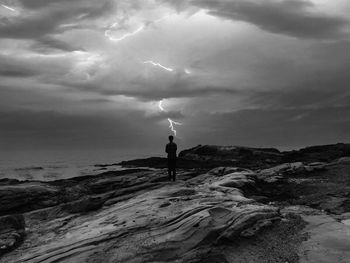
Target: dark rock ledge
x=296 y=211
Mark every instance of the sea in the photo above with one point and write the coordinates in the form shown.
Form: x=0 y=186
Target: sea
x=50 y=165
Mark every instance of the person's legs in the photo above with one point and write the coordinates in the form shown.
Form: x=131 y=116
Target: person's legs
x=169 y=173
x=174 y=174
x=171 y=169
x=174 y=169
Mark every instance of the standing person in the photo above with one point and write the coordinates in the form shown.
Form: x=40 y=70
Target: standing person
x=171 y=149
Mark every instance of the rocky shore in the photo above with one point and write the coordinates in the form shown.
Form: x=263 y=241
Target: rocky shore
x=229 y=204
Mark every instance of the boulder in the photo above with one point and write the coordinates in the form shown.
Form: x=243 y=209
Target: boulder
x=286 y=168
x=12 y=232
x=23 y=197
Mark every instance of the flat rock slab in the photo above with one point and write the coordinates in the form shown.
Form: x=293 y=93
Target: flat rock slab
x=166 y=224
x=328 y=242
x=328 y=239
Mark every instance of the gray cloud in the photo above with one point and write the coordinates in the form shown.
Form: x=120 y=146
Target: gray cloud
x=48 y=130
x=296 y=18
x=10 y=67
x=40 y=20
x=285 y=92
x=11 y=70
x=46 y=43
x=182 y=92
x=177 y=115
x=279 y=128
x=39 y=4
x=153 y=91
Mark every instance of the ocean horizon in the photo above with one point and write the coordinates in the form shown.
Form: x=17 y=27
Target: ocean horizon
x=50 y=165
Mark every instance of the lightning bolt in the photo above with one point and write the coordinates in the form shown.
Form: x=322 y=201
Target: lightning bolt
x=139 y=29
x=157 y=65
x=171 y=122
x=107 y=33
x=171 y=125
x=9 y=8
x=187 y=71
x=160 y=106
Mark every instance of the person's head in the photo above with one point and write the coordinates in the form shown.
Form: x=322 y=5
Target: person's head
x=171 y=138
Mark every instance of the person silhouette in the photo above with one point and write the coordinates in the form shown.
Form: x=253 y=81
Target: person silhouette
x=171 y=149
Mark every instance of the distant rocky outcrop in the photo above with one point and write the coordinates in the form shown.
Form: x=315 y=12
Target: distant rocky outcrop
x=321 y=153
x=182 y=163
x=227 y=152
x=211 y=156
x=255 y=158
x=233 y=155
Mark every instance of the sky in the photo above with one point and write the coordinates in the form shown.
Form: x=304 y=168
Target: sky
x=113 y=74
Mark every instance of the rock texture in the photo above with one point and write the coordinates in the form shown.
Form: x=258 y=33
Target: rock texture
x=325 y=186
x=211 y=156
x=233 y=155
x=12 y=232
x=265 y=212
x=19 y=197
x=182 y=222
x=322 y=153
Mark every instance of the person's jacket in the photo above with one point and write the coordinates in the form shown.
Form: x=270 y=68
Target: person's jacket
x=171 y=149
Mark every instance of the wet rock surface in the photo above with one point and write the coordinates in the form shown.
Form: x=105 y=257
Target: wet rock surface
x=324 y=186
x=23 y=196
x=181 y=222
x=297 y=211
x=12 y=232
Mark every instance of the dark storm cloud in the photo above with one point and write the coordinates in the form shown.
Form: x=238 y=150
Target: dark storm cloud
x=266 y=128
x=40 y=20
x=312 y=96
x=294 y=99
x=10 y=70
x=294 y=90
x=287 y=17
x=326 y=90
x=143 y=92
x=320 y=77
x=10 y=67
x=73 y=8
x=39 y=4
x=161 y=115
x=97 y=100
x=48 y=130
x=296 y=18
x=182 y=92
x=31 y=27
x=46 y=43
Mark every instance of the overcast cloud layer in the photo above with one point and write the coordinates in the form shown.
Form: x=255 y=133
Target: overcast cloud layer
x=90 y=74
